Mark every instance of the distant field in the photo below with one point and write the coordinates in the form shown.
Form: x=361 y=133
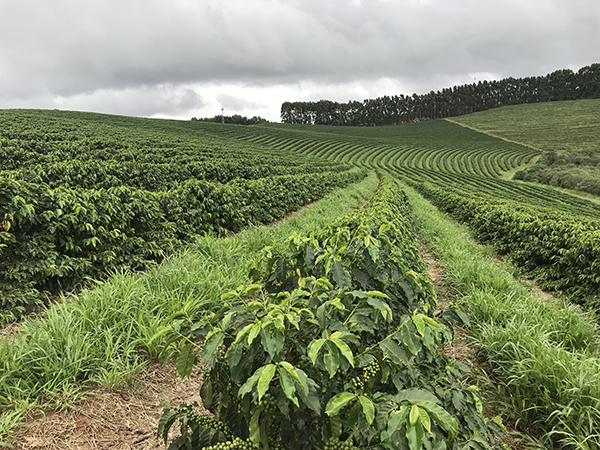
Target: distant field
x=550 y=234
x=568 y=126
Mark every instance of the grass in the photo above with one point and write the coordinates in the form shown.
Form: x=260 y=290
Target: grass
x=545 y=353
x=103 y=336
x=567 y=126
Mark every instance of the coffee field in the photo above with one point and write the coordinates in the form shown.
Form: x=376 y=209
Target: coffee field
x=336 y=329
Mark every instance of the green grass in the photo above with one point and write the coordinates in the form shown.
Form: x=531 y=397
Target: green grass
x=567 y=126
x=103 y=336
x=545 y=353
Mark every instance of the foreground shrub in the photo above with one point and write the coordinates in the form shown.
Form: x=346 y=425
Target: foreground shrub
x=336 y=346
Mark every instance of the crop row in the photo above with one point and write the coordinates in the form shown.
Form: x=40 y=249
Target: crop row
x=53 y=238
x=158 y=177
x=559 y=251
x=550 y=234
x=422 y=164
x=335 y=346
x=484 y=157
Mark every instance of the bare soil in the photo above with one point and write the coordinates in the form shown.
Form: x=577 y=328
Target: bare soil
x=112 y=419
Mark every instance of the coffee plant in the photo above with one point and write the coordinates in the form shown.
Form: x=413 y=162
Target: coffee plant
x=335 y=346
x=84 y=196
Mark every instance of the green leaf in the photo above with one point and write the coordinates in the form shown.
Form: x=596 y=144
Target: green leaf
x=418 y=320
x=393 y=351
x=303 y=381
x=211 y=347
x=414 y=435
x=185 y=361
x=206 y=393
x=265 y=380
x=373 y=252
x=287 y=384
x=226 y=319
x=310 y=397
x=415 y=396
x=339 y=275
x=255 y=428
x=412 y=341
x=346 y=351
x=290 y=369
x=384 y=308
x=368 y=408
x=441 y=417
x=313 y=351
x=331 y=359
x=425 y=420
x=254 y=330
x=338 y=402
x=377 y=294
x=227 y=295
x=431 y=322
x=167 y=419
x=272 y=344
x=413 y=417
x=250 y=382
x=234 y=354
x=335 y=426
x=281 y=269
x=384 y=227
x=353 y=416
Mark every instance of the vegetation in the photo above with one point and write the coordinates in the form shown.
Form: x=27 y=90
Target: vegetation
x=567 y=132
x=78 y=201
x=560 y=251
x=551 y=235
x=334 y=300
x=458 y=100
x=544 y=355
x=335 y=346
x=104 y=336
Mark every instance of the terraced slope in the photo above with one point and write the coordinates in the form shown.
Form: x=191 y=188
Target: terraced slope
x=436 y=151
x=553 y=235
x=568 y=134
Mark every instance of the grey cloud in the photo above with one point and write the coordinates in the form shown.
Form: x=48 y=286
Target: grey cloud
x=235 y=104
x=70 y=48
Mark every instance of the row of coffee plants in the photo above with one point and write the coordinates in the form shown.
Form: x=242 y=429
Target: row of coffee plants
x=336 y=346
x=163 y=176
x=558 y=250
x=51 y=239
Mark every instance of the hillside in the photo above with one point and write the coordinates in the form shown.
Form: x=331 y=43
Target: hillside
x=567 y=133
x=84 y=194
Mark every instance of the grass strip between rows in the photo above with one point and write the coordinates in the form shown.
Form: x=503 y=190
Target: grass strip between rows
x=546 y=353
x=96 y=336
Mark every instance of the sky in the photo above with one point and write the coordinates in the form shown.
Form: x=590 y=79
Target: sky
x=192 y=58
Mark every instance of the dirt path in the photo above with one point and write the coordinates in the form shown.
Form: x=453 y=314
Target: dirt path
x=111 y=419
x=493 y=135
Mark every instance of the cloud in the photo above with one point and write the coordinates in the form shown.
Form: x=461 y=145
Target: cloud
x=235 y=104
x=162 y=54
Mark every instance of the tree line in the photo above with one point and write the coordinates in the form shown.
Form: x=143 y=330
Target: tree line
x=236 y=119
x=562 y=84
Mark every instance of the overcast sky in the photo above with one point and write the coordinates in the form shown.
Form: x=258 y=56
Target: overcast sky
x=184 y=58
